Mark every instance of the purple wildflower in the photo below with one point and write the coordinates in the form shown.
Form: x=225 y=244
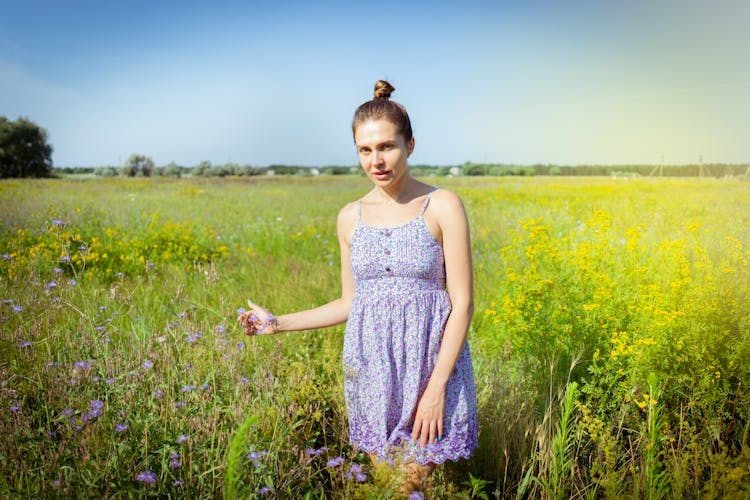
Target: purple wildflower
x=158 y=393
x=416 y=495
x=147 y=477
x=240 y=345
x=221 y=329
x=335 y=462
x=67 y=412
x=121 y=427
x=179 y=482
x=180 y=404
x=110 y=381
x=17 y=309
x=265 y=490
x=58 y=223
x=57 y=270
x=65 y=258
x=56 y=482
x=355 y=472
x=241 y=311
x=181 y=439
x=26 y=344
x=316 y=451
x=50 y=285
x=147 y=364
x=174 y=461
x=187 y=388
x=71 y=282
x=82 y=364
x=14 y=408
x=99 y=328
x=6 y=256
x=83 y=248
x=97 y=404
x=101 y=308
x=119 y=274
x=254 y=457
x=206 y=387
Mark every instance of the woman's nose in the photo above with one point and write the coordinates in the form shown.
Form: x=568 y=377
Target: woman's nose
x=377 y=158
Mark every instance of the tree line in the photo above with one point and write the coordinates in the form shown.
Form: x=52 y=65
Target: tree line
x=25 y=152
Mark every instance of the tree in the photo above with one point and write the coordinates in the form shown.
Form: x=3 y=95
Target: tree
x=138 y=165
x=24 y=151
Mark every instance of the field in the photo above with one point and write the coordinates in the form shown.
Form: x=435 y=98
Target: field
x=611 y=340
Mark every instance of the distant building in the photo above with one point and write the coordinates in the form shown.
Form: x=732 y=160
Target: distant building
x=314 y=172
x=455 y=171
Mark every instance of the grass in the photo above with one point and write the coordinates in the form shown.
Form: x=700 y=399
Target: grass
x=120 y=356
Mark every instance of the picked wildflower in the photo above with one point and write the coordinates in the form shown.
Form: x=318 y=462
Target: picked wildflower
x=335 y=462
x=181 y=439
x=174 y=461
x=265 y=490
x=17 y=309
x=147 y=477
x=147 y=364
x=121 y=427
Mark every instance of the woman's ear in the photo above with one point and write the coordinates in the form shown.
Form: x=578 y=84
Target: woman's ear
x=410 y=147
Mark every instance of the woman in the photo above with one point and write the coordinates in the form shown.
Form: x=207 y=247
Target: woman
x=407 y=370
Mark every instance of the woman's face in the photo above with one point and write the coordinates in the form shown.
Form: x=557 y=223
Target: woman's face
x=382 y=151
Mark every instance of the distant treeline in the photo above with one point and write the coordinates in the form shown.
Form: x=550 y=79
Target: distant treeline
x=206 y=169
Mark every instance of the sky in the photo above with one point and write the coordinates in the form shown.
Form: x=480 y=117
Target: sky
x=258 y=83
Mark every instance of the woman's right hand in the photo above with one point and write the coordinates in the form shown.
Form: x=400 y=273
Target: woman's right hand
x=257 y=320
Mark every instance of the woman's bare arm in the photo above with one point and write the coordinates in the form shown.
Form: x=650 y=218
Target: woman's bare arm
x=332 y=313
x=428 y=418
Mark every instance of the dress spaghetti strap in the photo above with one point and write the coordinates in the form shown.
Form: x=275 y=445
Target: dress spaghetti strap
x=426 y=201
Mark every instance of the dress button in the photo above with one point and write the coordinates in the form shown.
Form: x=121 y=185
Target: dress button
x=386 y=233
x=388 y=269
x=387 y=252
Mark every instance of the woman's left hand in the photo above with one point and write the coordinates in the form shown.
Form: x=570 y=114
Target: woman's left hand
x=428 y=417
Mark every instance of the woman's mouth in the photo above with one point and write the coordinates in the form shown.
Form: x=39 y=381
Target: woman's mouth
x=381 y=175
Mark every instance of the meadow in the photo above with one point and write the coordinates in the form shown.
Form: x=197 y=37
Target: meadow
x=611 y=340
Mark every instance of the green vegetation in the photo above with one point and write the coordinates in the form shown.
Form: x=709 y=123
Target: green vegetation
x=611 y=339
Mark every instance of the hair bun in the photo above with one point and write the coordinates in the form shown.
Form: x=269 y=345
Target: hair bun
x=383 y=89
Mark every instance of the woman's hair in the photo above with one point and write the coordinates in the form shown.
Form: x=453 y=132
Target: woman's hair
x=381 y=107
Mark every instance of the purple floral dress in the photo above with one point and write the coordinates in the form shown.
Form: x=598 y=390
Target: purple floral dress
x=392 y=340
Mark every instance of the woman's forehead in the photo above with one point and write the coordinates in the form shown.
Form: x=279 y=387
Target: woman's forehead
x=376 y=131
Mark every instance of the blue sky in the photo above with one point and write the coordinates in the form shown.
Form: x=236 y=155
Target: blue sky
x=263 y=82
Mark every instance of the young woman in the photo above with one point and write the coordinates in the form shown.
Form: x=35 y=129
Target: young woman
x=408 y=378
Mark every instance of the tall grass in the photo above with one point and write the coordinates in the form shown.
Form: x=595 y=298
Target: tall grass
x=123 y=373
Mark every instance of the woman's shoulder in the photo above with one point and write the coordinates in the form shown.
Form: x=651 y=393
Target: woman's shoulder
x=347 y=219
x=444 y=200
